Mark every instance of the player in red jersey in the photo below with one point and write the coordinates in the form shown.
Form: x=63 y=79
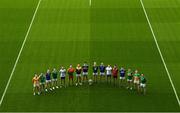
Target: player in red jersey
x=115 y=74
x=71 y=71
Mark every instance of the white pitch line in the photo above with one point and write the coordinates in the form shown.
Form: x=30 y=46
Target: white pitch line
x=89 y=2
x=162 y=58
x=17 y=59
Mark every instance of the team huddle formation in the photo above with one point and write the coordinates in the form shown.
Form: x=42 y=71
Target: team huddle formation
x=132 y=80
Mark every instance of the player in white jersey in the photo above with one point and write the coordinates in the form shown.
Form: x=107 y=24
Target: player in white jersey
x=62 y=72
x=108 y=73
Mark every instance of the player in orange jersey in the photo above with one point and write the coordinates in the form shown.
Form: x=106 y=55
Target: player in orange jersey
x=36 y=88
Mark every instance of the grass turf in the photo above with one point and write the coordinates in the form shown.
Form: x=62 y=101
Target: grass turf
x=115 y=32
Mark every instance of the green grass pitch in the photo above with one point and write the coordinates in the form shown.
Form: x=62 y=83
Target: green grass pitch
x=71 y=31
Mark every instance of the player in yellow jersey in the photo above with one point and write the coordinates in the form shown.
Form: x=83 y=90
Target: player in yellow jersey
x=36 y=88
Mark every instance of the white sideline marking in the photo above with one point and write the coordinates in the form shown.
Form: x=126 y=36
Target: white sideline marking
x=162 y=58
x=17 y=59
x=89 y=2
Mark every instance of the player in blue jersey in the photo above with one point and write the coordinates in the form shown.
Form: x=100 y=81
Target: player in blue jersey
x=48 y=80
x=122 y=73
x=95 y=72
x=85 y=71
x=102 y=69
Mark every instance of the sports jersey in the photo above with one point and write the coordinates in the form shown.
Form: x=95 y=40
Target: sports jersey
x=122 y=72
x=129 y=75
x=115 y=71
x=42 y=78
x=78 y=70
x=70 y=71
x=108 y=70
x=102 y=68
x=136 y=76
x=143 y=79
x=95 y=69
x=54 y=74
x=62 y=72
x=48 y=76
x=35 y=80
x=85 y=68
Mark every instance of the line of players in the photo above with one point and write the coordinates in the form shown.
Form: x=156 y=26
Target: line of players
x=49 y=81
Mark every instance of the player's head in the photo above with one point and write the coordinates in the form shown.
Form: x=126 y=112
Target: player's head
x=115 y=66
x=108 y=65
x=142 y=74
x=129 y=69
x=102 y=63
x=78 y=65
x=62 y=67
x=48 y=70
x=70 y=66
x=94 y=63
x=35 y=75
x=136 y=71
x=54 y=69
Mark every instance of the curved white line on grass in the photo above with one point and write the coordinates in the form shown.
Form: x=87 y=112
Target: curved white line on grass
x=159 y=50
x=17 y=59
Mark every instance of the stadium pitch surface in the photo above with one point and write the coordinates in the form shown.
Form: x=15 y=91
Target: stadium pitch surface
x=67 y=32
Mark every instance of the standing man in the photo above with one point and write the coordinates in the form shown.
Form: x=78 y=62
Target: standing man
x=62 y=72
x=129 y=79
x=95 y=72
x=35 y=82
x=54 y=80
x=122 y=76
x=42 y=79
x=102 y=69
x=70 y=73
x=108 y=73
x=143 y=84
x=78 y=74
x=115 y=74
x=85 y=71
x=48 y=81
x=136 y=80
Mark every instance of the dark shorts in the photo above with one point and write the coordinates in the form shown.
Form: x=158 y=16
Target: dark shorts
x=114 y=76
x=62 y=78
x=70 y=76
x=108 y=75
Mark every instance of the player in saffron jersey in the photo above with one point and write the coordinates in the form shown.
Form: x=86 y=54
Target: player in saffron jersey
x=48 y=80
x=85 y=71
x=42 y=79
x=129 y=79
x=62 y=72
x=102 y=69
x=78 y=74
x=122 y=72
x=108 y=73
x=35 y=82
x=136 y=80
x=115 y=74
x=70 y=73
x=143 y=84
x=95 y=72
x=54 y=80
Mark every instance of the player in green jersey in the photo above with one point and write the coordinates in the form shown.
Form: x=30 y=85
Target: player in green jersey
x=42 y=79
x=136 y=80
x=129 y=79
x=54 y=80
x=143 y=84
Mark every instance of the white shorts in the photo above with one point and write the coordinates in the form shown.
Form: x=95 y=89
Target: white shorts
x=36 y=85
x=102 y=73
x=95 y=73
x=128 y=80
x=121 y=78
x=142 y=85
x=48 y=81
x=78 y=75
x=85 y=73
x=136 y=81
x=54 y=80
